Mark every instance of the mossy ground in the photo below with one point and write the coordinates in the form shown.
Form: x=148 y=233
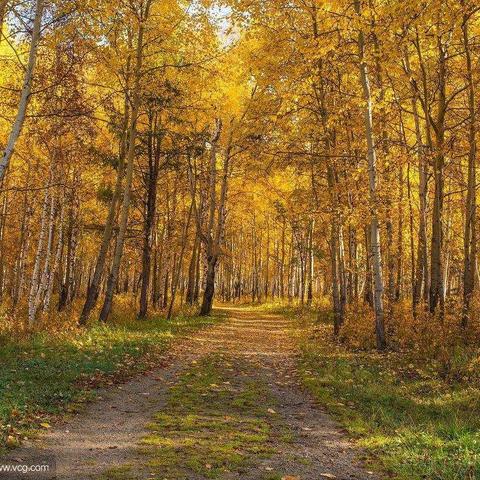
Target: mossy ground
x=219 y=418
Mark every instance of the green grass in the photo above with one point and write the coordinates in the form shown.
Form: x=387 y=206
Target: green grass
x=216 y=421
x=124 y=472
x=45 y=375
x=416 y=425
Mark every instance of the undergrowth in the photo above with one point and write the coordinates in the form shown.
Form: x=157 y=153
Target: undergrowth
x=417 y=418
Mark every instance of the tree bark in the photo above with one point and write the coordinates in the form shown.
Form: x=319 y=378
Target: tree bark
x=36 y=282
x=436 y=273
x=375 y=252
x=178 y=269
x=26 y=91
x=470 y=233
x=67 y=279
x=422 y=281
x=310 y=263
x=123 y=221
x=213 y=235
x=54 y=267
x=93 y=289
x=151 y=184
x=23 y=248
x=3 y=14
x=190 y=297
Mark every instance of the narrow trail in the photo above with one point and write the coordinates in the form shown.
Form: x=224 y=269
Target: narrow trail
x=107 y=432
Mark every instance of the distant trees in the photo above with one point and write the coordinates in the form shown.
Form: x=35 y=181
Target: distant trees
x=166 y=160
x=405 y=140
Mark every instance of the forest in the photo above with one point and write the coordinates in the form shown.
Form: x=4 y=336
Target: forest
x=227 y=178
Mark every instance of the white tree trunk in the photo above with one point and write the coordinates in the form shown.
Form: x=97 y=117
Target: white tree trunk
x=372 y=174
x=42 y=286
x=32 y=299
x=56 y=262
x=26 y=91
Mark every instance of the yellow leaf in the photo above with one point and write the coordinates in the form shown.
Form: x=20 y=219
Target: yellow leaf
x=12 y=441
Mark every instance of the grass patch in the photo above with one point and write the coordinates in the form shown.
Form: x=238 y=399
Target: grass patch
x=124 y=472
x=217 y=421
x=44 y=375
x=417 y=425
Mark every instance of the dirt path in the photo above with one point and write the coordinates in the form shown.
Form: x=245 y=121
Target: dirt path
x=107 y=433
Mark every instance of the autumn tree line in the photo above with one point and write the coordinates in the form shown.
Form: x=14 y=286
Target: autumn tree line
x=170 y=153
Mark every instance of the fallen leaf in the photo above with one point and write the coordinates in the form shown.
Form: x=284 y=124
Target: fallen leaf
x=328 y=475
x=45 y=425
x=273 y=412
x=12 y=441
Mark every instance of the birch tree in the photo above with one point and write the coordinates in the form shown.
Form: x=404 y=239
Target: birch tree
x=375 y=251
x=26 y=89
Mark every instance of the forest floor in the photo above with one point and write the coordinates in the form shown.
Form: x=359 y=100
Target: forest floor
x=413 y=420
x=227 y=403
